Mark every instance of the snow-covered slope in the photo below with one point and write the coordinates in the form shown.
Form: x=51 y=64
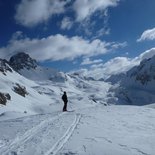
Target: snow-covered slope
x=47 y=87
x=97 y=130
x=22 y=95
x=137 y=86
x=145 y=72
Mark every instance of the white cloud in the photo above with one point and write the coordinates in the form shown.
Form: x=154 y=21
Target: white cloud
x=56 y=47
x=116 y=65
x=85 y=8
x=66 y=23
x=32 y=12
x=113 y=66
x=103 y=31
x=147 y=35
x=119 y=45
x=87 y=61
x=17 y=35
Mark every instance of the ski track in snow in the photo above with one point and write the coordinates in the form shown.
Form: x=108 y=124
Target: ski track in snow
x=61 y=142
x=18 y=145
x=59 y=133
x=18 y=141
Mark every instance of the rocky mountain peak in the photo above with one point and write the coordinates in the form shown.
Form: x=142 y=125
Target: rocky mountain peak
x=22 y=61
x=137 y=86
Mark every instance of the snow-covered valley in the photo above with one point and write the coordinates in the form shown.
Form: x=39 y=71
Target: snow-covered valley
x=33 y=123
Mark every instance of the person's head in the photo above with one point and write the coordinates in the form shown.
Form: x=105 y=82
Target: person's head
x=64 y=92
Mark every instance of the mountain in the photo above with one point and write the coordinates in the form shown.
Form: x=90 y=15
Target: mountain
x=29 y=68
x=26 y=86
x=137 y=85
x=145 y=72
x=17 y=93
x=116 y=78
x=33 y=112
x=22 y=61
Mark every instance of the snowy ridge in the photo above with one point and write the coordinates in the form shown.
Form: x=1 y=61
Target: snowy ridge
x=137 y=86
x=18 y=103
x=144 y=73
x=28 y=67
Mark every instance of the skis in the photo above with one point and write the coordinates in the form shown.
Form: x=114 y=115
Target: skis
x=69 y=111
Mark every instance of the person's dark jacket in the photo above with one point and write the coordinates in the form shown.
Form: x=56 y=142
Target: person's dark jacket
x=64 y=97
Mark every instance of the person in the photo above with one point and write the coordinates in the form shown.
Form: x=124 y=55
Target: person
x=65 y=100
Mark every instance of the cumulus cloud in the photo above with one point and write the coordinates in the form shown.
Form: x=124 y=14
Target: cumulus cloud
x=85 y=8
x=114 y=66
x=56 y=47
x=147 y=35
x=32 y=12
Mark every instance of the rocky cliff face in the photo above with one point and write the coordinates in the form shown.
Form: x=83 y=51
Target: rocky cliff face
x=21 y=61
x=29 y=68
x=4 y=66
x=145 y=72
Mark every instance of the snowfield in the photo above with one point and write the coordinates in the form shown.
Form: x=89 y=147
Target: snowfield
x=36 y=125
x=95 y=130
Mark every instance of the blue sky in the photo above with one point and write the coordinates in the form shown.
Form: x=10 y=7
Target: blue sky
x=78 y=34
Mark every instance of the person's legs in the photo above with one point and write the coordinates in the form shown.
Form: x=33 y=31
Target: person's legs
x=65 y=106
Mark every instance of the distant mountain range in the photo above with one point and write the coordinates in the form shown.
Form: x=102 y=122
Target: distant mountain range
x=135 y=87
x=27 y=87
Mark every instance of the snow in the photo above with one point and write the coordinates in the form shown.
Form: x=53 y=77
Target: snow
x=36 y=125
x=110 y=130
x=19 y=103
